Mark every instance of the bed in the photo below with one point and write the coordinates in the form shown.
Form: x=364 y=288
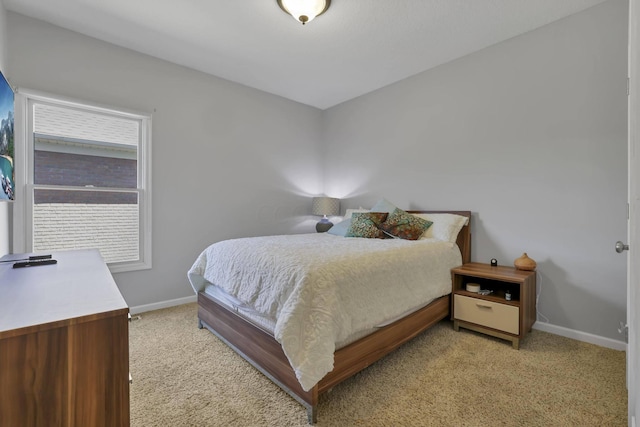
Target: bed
x=312 y=350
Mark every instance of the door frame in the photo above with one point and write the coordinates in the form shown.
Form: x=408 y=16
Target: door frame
x=633 y=256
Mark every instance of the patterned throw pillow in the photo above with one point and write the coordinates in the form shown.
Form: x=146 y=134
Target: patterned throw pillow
x=404 y=225
x=365 y=224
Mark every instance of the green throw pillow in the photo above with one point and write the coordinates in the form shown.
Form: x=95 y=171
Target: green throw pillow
x=404 y=225
x=365 y=224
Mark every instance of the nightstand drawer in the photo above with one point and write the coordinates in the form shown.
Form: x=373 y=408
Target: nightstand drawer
x=487 y=313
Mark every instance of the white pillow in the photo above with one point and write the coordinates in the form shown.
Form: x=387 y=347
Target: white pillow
x=445 y=226
x=350 y=212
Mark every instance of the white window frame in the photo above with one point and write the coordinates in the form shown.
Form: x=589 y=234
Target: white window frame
x=24 y=166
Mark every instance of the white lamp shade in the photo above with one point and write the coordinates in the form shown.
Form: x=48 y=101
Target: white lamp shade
x=304 y=10
x=325 y=206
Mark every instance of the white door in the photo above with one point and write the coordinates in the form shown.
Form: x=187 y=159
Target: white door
x=633 y=264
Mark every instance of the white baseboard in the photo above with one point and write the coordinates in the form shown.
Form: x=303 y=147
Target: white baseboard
x=541 y=326
x=162 y=304
x=581 y=336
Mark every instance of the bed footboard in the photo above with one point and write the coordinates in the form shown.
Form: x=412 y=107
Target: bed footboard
x=258 y=348
x=262 y=350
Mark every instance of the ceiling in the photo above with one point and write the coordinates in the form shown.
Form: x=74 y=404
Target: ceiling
x=356 y=47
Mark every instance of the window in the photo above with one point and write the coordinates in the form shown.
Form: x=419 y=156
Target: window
x=85 y=181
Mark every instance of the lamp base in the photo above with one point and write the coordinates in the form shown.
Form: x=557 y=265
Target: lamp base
x=324 y=225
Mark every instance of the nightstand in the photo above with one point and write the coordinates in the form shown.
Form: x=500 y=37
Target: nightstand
x=494 y=314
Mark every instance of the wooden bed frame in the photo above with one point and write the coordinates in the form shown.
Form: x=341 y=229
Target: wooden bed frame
x=262 y=350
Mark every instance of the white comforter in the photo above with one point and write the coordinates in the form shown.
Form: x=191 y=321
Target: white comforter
x=322 y=288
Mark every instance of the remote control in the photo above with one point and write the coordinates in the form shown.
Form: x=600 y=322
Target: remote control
x=34 y=263
x=34 y=257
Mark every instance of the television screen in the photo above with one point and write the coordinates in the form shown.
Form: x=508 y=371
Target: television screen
x=7 y=177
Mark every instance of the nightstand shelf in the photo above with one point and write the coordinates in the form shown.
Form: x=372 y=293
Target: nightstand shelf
x=493 y=314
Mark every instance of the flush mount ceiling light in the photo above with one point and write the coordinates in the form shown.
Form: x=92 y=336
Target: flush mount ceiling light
x=304 y=10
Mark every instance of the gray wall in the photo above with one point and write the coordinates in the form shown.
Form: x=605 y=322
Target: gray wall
x=228 y=161
x=531 y=136
x=4 y=206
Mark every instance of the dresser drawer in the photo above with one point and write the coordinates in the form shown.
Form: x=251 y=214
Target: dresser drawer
x=494 y=315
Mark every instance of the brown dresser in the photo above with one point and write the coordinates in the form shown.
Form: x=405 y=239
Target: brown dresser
x=64 y=344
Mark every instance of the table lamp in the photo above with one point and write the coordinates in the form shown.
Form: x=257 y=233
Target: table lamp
x=325 y=206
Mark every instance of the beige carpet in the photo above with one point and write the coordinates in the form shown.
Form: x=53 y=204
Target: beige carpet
x=184 y=376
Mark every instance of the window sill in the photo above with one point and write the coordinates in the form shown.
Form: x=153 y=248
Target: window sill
x=122 y=267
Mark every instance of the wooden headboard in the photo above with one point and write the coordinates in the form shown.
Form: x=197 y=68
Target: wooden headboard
x=464 y=236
